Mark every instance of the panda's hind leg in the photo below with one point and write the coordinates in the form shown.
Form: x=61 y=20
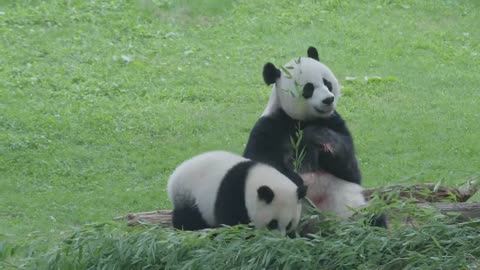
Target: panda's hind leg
x=187 y=217
x=332 y=194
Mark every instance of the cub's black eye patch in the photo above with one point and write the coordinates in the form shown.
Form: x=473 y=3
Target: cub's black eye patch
x=273 y=224
x=308 y=90
x=328 y=84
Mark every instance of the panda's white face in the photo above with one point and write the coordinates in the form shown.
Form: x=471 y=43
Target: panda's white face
x=280 y=214
x=272 y=200
x=306 y=90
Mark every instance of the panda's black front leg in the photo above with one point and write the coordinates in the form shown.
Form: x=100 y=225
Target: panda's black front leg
x=328 y=141
x=332 y=152
x=269 y=143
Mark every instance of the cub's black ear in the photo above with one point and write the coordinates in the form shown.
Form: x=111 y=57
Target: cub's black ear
x=270 y=73
x=265 y=194
x=302 y=191
x=313 y=53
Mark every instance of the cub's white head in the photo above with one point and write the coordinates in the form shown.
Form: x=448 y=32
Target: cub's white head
x=273 y=201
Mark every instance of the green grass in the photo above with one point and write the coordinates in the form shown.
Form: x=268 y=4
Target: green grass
x=100 y=100
x=338 y=245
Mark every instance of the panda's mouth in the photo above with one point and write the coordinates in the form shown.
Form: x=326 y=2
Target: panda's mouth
x=323 y=110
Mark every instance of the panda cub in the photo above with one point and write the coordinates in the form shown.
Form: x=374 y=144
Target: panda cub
x=304 y=97
x=219 y=187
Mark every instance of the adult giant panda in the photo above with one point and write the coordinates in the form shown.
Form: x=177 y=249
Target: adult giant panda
x=219 y=187
x=304 y=97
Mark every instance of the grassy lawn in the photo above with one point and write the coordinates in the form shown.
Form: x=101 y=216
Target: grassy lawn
x=100 y=100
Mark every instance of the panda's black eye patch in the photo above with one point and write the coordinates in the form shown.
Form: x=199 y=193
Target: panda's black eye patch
x=273 y=224
x=308 y=90
x=328 y=84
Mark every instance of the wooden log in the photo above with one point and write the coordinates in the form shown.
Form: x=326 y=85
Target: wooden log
x=464 y=210
x=422 y=193
x=426 y=195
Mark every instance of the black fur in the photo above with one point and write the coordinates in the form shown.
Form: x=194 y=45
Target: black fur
x=230 y=206
x=301 y=192
x=266 y=194
x=378 y=221
x=270 y=73
x=313 y=53
x=188 y=217
x=269 y=142
x=330 y=149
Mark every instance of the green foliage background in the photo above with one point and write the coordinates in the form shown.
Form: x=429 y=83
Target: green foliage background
x=100 y=100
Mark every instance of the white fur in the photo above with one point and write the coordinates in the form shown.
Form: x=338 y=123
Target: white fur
x=273 y=103
x=333 y=194
x=285 y=207
x=287 y=90
x=200 y=177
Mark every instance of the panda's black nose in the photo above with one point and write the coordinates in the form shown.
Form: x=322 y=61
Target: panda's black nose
x=328 y=101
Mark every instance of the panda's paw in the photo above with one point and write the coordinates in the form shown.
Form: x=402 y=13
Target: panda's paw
x=321 y=135
x=379 y=221
x=327 y=148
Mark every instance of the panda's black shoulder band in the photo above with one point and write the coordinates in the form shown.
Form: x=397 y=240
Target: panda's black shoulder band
x=270 y=73
x=313 y=53
x=301 y=191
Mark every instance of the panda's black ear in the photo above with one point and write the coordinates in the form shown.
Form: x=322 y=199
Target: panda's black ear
x=302 y=191
x=265 y=194
x=270 y=73
x=313 y=53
